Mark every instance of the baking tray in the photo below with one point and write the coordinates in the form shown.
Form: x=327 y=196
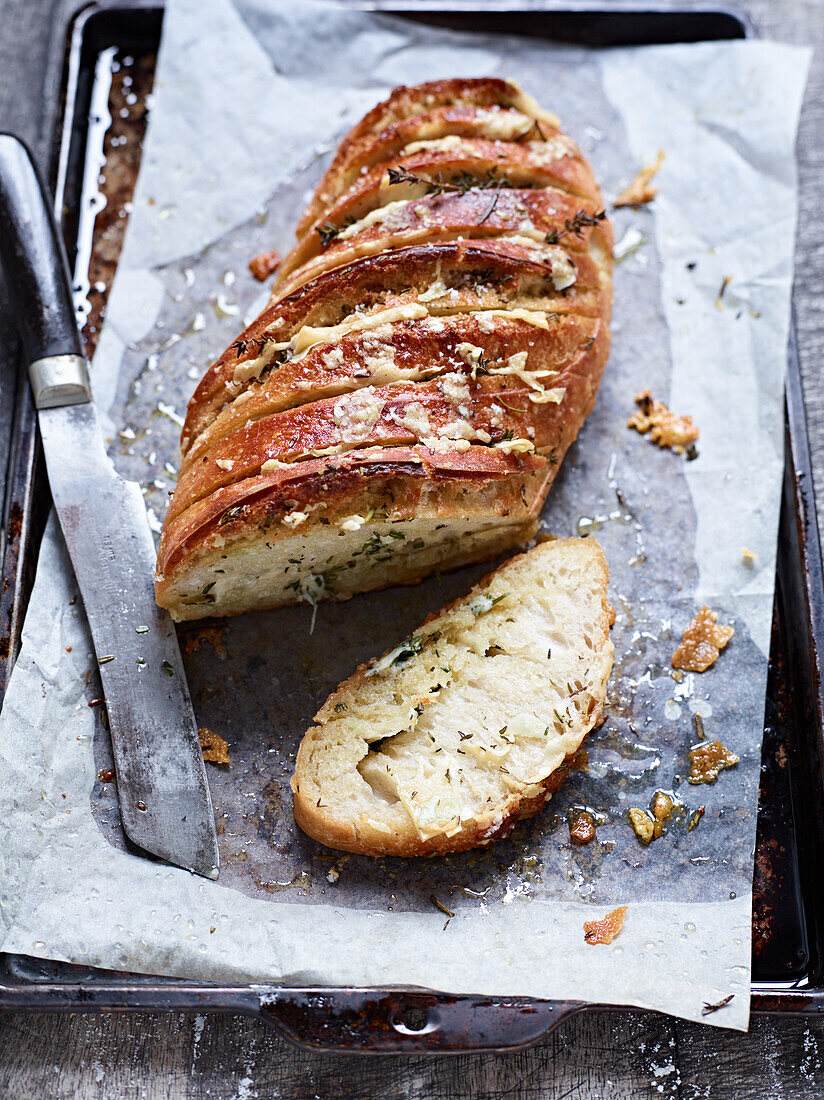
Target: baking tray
x=788 y=919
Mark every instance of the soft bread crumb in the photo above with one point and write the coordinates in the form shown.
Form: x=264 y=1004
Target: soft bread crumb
x=470 y=723
x=665 y=428
x=641 y=191
x=702 y=642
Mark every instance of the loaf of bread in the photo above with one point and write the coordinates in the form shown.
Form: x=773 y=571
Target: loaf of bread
x=471 y=723
x=433 y=344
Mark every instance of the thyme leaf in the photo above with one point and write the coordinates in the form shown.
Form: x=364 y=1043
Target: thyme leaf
x=327 y=233
x=708 y=1008
x=575 y=226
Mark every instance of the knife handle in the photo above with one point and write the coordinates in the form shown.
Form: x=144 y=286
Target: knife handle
x=37 y=276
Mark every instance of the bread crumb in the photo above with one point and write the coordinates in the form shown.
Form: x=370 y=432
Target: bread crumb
x=708 y=759
x=641 y=191
x=665 y=428
x=205 y=635
x=748 y=556
x=702 y=642
x=607 y=928
x=215 y=748
x=264 y=265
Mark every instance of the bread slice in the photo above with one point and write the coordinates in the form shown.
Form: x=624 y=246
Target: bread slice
x=326 y=528
x=428 y=280
x=459 y=164
x=414 y=351
x=528 y=214
x=469 y=724
x=443 y=102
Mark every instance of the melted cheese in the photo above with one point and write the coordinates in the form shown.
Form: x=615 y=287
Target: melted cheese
x=518 y=446
x=435 y=145
x=495 y=124
x=516 y=365
x=486 y=318
x=394 y=215
x=308 y=336
x=554 y=148
x=356 y=414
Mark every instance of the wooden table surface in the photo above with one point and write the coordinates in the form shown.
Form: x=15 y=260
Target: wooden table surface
x=598 y=1055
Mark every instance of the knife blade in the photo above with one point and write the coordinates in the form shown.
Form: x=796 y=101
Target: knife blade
x=165 y=805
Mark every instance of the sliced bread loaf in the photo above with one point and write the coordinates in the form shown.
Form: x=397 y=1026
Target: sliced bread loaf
x=469 y=724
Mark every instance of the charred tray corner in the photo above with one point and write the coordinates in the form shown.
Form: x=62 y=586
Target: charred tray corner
x=788 y=925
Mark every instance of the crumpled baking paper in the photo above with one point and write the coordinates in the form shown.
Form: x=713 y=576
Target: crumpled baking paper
x=249 y=99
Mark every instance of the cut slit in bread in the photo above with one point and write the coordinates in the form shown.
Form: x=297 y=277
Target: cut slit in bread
x=415 y=105
x=442 y=279
x=468 y=725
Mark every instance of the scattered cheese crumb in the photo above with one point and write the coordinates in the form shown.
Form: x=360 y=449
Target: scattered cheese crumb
x=642 y=824
x=215 y=748
x=708 y=759
x=352 y=523
x=225 y=463
x=607 y=928
x=702 y=642
x=641 y=191
x=748 y=556
x=665 y=428
x=294 y=519
x=629 y=243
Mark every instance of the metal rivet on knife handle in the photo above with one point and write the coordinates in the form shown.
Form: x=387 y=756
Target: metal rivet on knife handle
x=60 y=380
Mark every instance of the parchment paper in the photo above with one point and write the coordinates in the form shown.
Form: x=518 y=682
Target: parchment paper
x=249 y=98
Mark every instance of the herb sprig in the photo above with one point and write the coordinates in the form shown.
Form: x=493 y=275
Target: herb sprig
x=437 y=185
x=575 y=226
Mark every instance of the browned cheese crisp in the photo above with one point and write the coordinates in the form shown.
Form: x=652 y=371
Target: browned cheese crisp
x=702 y=642
x=607 y=928
x=708 y=759
x=641 y=191
x=664 y=427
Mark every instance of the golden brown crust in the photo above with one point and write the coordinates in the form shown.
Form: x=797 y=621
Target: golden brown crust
x=233 y=511
x=471 y=304
x=411 y=102
x=500 y=272
x=361 y=839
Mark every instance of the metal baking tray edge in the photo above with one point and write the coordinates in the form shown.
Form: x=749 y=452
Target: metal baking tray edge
x=413 y=1020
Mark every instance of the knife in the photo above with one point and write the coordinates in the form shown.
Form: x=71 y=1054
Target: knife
x=164 y=796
